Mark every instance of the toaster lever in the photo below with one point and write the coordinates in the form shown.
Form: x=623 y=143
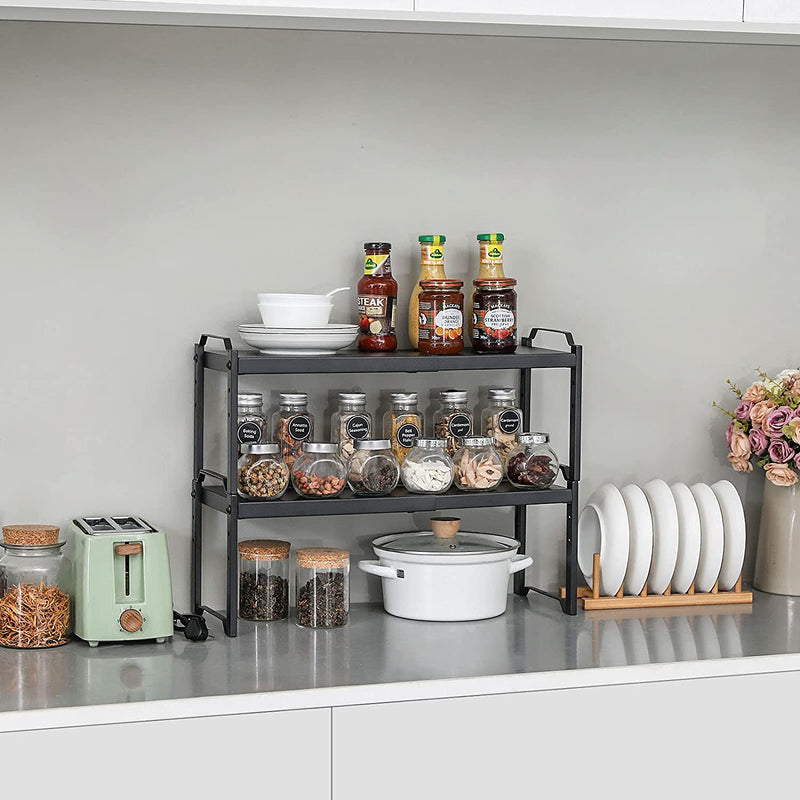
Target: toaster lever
x=130 y=549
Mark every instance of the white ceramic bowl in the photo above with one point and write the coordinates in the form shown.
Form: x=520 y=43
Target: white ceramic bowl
x=293 y=299
x=286 y=315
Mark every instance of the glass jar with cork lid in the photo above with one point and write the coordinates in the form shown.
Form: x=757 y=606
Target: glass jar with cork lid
x=322 y=579
x=264 y=579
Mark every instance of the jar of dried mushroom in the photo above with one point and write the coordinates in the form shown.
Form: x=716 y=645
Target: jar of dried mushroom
x=292 y=425
x=373 y=468
x=264 y=579
x=318 y=471
x=403 y=423
x=478 y=467
x=452 y=421
x=427 y=469
x=262 y=474
x=532 y=464
x=502 y=420
x=322 y=586
x=251 y=424
x=351 y=422
x=35 y=595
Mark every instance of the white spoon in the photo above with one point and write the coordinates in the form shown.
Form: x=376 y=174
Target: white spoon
x=336 y=291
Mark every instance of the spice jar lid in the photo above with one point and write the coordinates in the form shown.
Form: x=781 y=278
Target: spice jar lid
x=353 y=397
x=439 y=444
x=264 y=549
x=503 y=395
x=441 y=284
x=403 y=397
x=490 y=237
x=435 y=238
x=494 y=283
x=373 y=444
x=534 y=437
x=35 y=535
x=453 y=396
x=319 y=447
x=477 y=441
x=263 y=448
x=250 y=399
x=293 y=397
x=377 y=246
x=322 y=557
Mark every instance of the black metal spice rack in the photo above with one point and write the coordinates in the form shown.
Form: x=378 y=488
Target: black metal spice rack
x=222 y=496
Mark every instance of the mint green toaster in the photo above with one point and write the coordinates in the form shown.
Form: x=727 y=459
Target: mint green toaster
x=123 y=588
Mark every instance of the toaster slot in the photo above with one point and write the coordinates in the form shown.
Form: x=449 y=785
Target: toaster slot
x=129 y=572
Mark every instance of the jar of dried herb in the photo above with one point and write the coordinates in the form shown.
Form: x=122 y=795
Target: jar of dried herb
x=264 y=579
x=403 y=423
x=351 y=422
x=452 y=421
x=36 y=585
x=322 y=585
x=262 y=474
x=373 y=468
x=502 y=420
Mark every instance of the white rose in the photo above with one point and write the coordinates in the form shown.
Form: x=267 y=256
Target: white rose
x=786 y=373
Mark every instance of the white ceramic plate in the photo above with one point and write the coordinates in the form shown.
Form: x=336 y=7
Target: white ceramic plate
x=299 y=343
x=712 y=537
x=665 y=535
x=735 y=532
x=603 y=528
x=688 y=538
x=641 y=538
x=334 y=327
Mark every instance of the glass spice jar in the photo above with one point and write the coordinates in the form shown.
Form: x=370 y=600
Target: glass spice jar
x=322 y=587
x=494 y=316
x=264 y=579
x=350 y=422
x=262 y=473
x=318 y=471
x=427 y=469
x=403 y=423
x=502 y=420
x=377 y=300
x=292 y=425
x=251 y=424
x=441 y=317
x=431 y=267
x=452 y=420
x=478 y=466
x=373 y=468
x=36 y=604
x=532 y=464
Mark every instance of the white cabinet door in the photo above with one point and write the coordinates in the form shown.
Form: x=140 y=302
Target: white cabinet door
x=772 y=11
x=687 y=10
x=249 y=755
x=715 y=737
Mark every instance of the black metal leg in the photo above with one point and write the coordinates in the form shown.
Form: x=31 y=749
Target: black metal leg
x=233 y=498
x=521 y=533
x=230 y=623
x=569 y=603
x=195 y=589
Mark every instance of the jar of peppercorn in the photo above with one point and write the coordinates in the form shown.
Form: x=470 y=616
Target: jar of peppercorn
x=441 y=317
x=264 y=579
x=262 y=472
x=319 y=471
x=322 y=587
x=532 y=464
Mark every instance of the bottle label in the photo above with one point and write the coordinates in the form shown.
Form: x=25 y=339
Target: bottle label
x=377 y=264
x=460 y=425
x=494 y=324
x=357 y=426
x=492 y=253
x=299 y=427
x=431 y=255
x=440 y=323
x=509 y=421
x=249 y=433
x=376 y=314
x=407 y=433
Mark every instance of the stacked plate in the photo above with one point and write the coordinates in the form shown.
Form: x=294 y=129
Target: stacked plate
x=310 y=341
x=663 y=537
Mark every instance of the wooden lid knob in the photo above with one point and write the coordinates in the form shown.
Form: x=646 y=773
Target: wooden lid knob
x=131 y=620
x=445 y=527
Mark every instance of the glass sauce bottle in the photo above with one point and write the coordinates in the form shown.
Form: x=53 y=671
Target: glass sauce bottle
x=377 y=300
x=490 y=246
x=431 y=267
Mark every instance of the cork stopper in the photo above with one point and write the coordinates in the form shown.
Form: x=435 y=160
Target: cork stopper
x=322 y=558
x=264 y=549
x=30 y=534
x=445 y=527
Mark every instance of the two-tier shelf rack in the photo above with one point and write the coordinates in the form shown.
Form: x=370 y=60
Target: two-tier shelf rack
x=215 y=490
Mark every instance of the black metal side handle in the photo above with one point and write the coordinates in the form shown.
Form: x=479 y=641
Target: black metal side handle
x=566 y=334
x=224 y=339
x=209 y=473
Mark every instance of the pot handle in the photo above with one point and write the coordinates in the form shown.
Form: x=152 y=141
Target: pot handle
x=518 y=562
x=375 y=568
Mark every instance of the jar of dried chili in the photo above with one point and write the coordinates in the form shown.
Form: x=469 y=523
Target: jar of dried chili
x=441 y=317
x=377 y=300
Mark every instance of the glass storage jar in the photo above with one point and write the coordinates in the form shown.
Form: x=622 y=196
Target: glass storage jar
x=502 y=420
x=427 y=469
x=478 y=466
x=36 y=605
x=441 y=317
x=322 y=587
x=452 y=421
x=494 y=316
x=403 y=424
x=292 y=425
x=350 y=422
x=251 y=424
x=373 y=468
x=264 y=579
x=262 y=473
x=318 y=471
x=532 y=464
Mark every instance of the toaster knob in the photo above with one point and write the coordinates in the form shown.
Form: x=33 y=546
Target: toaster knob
x=131 y=620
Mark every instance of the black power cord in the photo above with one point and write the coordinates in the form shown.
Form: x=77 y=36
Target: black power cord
x=192 y=626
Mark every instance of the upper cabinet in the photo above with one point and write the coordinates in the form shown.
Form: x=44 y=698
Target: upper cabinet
x=696 y=10
x=772 y=11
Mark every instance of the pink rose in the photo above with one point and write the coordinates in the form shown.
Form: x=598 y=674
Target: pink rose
x=758 y=441
x=743 y=410
x=780 y=451
x=781 y=474
x=729 y=433
x=740 y=464
x=755 y=393
x=792 y=430
x=797 y=460
x=774 y=421
x=794 y=387
x=760 y=410
x=740 y=445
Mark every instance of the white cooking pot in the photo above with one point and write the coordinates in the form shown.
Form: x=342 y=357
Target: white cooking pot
x=444 y=575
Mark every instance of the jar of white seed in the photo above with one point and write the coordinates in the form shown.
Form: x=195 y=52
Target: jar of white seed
x=427 y=469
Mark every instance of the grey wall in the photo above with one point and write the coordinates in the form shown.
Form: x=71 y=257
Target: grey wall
x=153 y=180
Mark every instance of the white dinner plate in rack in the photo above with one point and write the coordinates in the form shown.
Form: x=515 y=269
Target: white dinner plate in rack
x=688 y=538
x=735 y=533
x=603 y=528
x=641 y=538
x=665 y=535
x=712 y=537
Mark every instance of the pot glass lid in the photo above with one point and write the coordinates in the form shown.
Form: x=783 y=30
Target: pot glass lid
x=446 y=539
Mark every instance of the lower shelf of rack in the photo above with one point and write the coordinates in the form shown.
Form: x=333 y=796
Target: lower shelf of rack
x=292 y=505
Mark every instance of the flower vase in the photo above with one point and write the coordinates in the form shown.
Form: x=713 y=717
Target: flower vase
x=778 y=555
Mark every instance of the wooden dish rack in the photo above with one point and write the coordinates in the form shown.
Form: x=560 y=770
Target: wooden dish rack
x=592 y=601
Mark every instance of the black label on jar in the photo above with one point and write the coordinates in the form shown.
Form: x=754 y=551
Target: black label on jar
x=460 y=425
x=299 y=427
x=357 y=427
x=249 y=433
x=509 y=421
x=407 y=434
